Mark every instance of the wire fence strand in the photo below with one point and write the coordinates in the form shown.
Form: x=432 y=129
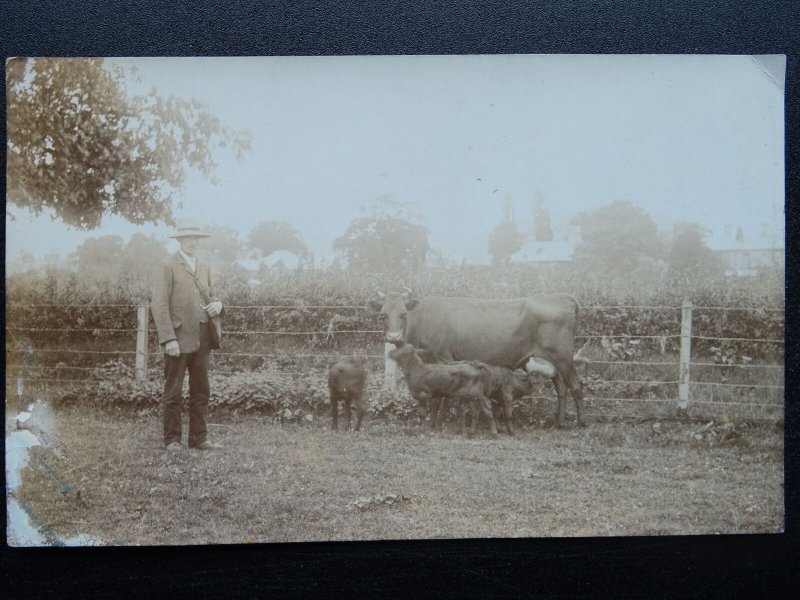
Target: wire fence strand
x=735 y=339
x=41 y=372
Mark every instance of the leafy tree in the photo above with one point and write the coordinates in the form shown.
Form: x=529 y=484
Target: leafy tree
x=108 y=260
x=223 y=247
x=385 y=240
x=142 y=253
x=99 y=259
x=270 y=236
x=505 y=239
x=542 y=230
x=617 y=238
x=689 y=256
x=81 y=146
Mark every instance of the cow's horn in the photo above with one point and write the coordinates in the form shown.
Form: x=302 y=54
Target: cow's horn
x=408 y=292
x=380 y=294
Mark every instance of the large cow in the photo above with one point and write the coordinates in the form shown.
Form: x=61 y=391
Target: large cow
x=505 y=333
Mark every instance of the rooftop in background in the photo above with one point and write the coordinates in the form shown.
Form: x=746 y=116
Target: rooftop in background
x=745 y=237
x=545 y=252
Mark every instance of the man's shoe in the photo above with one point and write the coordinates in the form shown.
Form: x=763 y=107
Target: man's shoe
x=207 y=446
x=173 y=446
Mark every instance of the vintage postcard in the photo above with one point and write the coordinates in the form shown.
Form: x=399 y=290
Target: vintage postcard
x=288 y=299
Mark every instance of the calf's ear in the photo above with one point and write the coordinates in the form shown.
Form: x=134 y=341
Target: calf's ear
x=426 y=355
x=375 y=305
x=412 y=304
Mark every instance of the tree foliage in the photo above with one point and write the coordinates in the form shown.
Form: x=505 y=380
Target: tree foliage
x=99 y=258
x=542 y=229
x=271 y=236
x=385 y=240
x=618 y=238
x=689 y=256
x=222 y=247
x=504 y=241
x=80 y=145
x=108 y=259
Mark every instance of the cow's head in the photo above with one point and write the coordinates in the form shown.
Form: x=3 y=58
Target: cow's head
x=394 y=306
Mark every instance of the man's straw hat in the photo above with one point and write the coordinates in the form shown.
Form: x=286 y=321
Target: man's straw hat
x=189 y=230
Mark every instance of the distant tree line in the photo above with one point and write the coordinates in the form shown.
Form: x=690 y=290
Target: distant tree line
x=80 y=145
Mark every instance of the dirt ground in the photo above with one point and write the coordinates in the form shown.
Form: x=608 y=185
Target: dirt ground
x=109 y=477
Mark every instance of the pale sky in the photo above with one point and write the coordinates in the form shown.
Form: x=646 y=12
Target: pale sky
x=696 y=138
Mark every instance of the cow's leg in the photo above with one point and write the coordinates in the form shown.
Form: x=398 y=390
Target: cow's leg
x=576 y=389
x=561 y=393
x=572 y=381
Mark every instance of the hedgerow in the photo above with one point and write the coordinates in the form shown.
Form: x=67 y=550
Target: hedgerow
x=69 y=301
x=56 y=310
x=286 y=399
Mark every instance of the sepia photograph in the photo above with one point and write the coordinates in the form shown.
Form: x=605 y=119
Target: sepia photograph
x=349 y=298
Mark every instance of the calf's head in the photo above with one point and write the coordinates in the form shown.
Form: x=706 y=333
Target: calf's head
x=405 y=356
x=394 y=306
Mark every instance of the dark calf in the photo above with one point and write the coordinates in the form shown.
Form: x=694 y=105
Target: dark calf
x=429 y=383
x=503 y=386
x=346 y=382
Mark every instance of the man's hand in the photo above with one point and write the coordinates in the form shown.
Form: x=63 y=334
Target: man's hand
x=172 y=348
x=214 y=308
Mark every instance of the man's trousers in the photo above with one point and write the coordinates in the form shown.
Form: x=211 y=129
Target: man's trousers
x=175 y=368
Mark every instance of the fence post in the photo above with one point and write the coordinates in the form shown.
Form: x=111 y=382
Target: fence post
x=389 y=367
x=141 y=342
x=686 y=354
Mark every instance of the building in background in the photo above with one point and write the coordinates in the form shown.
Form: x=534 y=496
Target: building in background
x=747 y=250
x=553 y=253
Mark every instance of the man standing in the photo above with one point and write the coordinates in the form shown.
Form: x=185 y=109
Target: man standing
x=183 y=305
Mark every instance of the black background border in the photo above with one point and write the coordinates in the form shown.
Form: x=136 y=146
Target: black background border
x=683 y=567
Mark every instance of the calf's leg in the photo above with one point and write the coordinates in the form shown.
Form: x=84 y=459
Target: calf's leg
x=483 y=406
x=508 y=408
x=461 y=410
x=334 y=409
x=361 y=410
x=444 y=409
x=347 y=400
x=433 y=408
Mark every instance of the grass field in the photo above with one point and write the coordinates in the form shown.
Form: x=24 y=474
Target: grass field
x=109 y=477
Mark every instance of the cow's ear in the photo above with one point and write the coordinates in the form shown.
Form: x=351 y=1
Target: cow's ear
x=375 y=305
x=412 y=304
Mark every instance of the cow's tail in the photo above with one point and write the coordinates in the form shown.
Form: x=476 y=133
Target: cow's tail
x=577 y=304
x=578 y=357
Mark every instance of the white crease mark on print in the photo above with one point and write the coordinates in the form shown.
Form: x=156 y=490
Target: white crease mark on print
x=22 y=528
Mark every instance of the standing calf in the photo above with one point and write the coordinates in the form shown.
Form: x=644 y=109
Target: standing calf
x=346 y=382
x=429 y=383
x=503 y=386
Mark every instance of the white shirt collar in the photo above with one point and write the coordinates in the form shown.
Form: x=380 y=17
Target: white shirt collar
x=190 y=260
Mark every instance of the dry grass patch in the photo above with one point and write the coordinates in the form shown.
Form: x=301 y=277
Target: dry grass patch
x=108 y=476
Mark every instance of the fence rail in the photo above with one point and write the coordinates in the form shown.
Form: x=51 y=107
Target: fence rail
x=689 y=389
